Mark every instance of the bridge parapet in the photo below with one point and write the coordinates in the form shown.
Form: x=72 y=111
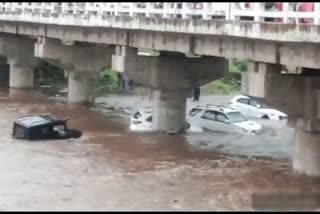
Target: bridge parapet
x=95 y=13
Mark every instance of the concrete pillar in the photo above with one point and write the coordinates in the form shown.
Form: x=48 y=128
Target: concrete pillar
x=4 y=75
x=81 y=88
x=306 y=153
x=123 y=58
x=169 y=111
x=21 y=77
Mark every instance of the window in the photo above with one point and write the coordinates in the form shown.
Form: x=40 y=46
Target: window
x=137 y=115
x=149 y=119
x=254 y=103
x=194 y=111
x=243 y=101
x=236 y=117
x=221 y=117
x=209 y=115
x=58 y=128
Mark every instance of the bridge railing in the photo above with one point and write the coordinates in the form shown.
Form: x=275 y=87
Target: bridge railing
x=94 y=14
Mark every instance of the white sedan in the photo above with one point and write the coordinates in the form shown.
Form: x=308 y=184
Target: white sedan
x=252 y=108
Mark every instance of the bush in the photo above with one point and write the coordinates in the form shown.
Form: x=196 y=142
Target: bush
x=219 y=87
x=107 y=82
x=49 y=74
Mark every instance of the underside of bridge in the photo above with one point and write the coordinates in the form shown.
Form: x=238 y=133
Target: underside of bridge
x=171 y=76
x=297 y=95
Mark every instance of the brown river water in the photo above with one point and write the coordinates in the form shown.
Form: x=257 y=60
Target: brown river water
x=110 y=168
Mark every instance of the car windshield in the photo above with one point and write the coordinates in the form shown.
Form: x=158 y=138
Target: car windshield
x=236 y=117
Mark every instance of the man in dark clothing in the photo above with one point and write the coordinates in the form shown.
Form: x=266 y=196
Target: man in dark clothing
x=196 y=93
x=119 y=80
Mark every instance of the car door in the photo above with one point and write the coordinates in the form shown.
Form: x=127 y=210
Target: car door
x=215 y=121
x=208 y=120
x=242 y=105
x=253 y=110
x=223 y=123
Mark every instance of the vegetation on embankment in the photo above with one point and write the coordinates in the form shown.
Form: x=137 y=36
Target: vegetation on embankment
x=230 y=83
x=107 y=82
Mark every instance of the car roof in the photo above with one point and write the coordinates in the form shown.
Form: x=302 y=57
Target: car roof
x=240 y=96
x=219 y=108
x=29 y=121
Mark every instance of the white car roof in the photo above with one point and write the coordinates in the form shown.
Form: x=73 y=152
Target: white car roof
x=240 y=96
x=219 y=108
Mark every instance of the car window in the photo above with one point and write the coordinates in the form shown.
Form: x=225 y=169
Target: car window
x=236 y=117
x=209 y=115
x=194 y=111
x=137 y=115
x=58 y=128
x=221 y=117
x=243 y=101
x=253 y=103
x=149 y=119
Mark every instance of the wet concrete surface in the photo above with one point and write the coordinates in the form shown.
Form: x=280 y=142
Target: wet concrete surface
x=109 y=168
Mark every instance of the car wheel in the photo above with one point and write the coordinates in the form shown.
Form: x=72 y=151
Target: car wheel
x=265 y=117
x=187 y=126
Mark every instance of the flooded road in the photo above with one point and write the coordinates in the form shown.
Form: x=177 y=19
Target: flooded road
x=109 y=168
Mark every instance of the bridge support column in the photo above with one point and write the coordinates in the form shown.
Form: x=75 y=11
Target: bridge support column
x=21 y=77
x=306 y=153
x=81 y=88
x=19 y=53
x=298 y=95
x=83 y=61
x=169 y=111
x=4 y=72
x=172 y=76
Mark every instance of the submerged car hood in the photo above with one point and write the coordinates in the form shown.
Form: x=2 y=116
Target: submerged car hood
x=272 y=111
x=248 y=125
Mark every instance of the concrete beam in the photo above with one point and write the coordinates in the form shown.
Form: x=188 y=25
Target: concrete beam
x=80 y=57
x=175 y=72
x=300 y=53
x=253 y=30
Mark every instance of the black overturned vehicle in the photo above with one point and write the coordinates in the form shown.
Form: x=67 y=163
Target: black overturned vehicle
x=43 y=127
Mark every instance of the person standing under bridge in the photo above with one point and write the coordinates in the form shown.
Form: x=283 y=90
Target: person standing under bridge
x=196 y=93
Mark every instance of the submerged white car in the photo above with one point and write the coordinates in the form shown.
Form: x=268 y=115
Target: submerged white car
x=222 y=119
x=141 y=120
x=253 y=108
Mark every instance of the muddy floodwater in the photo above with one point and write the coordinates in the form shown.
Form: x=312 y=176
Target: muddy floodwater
x=109 y=168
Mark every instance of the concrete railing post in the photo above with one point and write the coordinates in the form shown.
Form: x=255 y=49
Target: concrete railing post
x=149 y=6
x=184 y=10
x=316 y=13
x=165 y=9
x=206 y=9
x=117 y=7
x=257 y=9
x=285 y=12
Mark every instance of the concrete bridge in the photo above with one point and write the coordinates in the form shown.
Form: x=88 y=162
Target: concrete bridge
x=193 y=45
